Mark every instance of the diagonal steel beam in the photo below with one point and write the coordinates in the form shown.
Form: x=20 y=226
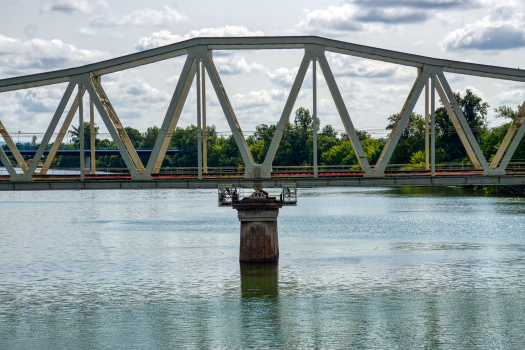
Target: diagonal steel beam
x=116 y=122
x=345 y=116
x=250 y=166
x=14 y=150
x=512 y=147
x=463 y=121
x=111 y=128
x=457 y=125
x=7 y=164
x=171 y=118
x=285 y=116
x=401 y=123
x=520 y=118
x=60 y=136
x=50 y=130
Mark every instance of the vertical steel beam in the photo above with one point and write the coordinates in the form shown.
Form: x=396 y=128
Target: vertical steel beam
x=50 y=130
x=463 y=122
x=433 y=124
x=314 y=67
x=250 y=166
x=199 y=127
x=457 y=125
x=113 y=132
x=427 y=136
x=172 y=117
x=81 y=133
x=401 y=123
x=285 y=116
x=508 y=137
x=345 y=116
x=204 y=127
x=92 y=131
x=14 y=150
x=61 y=134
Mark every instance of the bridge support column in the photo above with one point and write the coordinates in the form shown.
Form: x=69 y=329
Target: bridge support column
x=258 y=216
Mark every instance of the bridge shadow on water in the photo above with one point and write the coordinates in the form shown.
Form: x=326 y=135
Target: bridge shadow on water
x=259 y=280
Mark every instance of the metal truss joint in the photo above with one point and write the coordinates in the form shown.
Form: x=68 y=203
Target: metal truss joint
x=81 y=78
x=313 y=51
x=432 y=70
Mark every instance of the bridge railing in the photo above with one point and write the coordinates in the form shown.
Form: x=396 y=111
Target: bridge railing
x=278 y=171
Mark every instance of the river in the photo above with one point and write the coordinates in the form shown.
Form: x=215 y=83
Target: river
x=364 y=268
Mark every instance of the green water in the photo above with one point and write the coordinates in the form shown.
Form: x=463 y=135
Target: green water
x=359 y=268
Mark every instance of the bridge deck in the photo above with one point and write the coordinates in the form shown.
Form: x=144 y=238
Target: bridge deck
x=116 y=181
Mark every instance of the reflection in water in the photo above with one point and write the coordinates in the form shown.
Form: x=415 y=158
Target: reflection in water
x=360 y=268
x=259 y=280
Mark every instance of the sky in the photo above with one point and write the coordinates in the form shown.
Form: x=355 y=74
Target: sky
x=47 y=35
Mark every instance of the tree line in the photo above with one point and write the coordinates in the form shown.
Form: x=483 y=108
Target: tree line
x=296 y=147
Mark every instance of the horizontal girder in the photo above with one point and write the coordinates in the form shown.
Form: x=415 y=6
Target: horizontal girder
x=258 y=43
x=303 y=182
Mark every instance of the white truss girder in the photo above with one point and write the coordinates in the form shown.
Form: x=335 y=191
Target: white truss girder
x=199 y=52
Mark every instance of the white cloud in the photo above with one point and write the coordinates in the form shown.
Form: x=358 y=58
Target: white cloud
x=512 y=97
x=343 y=65
x=236 y=65
x=87 y=31
x=25 y=57
x=333 y=20
x=38 y=100
x=145 y=17
x=375 y=15
x=262 y=98
x=474 y=90
x=283 y=76
x=421 y=4
x=165 y=37
x=173 y=80
x=143 y=92
x=394 y=88
x=487 y=35
x=392 y=15
x=30 y=109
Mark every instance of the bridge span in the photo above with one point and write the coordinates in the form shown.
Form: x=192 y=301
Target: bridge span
x=257 y=212
x=430 y=80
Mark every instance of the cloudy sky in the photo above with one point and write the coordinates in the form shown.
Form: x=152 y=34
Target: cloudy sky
x=45 y=35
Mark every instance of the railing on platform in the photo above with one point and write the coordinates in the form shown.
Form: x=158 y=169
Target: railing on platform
x=229 y=195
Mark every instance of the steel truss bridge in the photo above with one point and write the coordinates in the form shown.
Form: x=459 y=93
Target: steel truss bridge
x=199 y=61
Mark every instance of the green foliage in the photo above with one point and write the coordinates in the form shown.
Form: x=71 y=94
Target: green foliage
x=418 y=158
x=506 y=112
x=475 y=112
x=75 y=135
x=343 y=154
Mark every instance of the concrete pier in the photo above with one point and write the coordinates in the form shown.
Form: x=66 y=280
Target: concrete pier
x=258 y=216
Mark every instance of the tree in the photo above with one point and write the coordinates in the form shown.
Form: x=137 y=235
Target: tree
x=412 y=138
x=134 y=136
x=475 y=111
x=506 y=112
x=147 y=141
x=75 y=135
